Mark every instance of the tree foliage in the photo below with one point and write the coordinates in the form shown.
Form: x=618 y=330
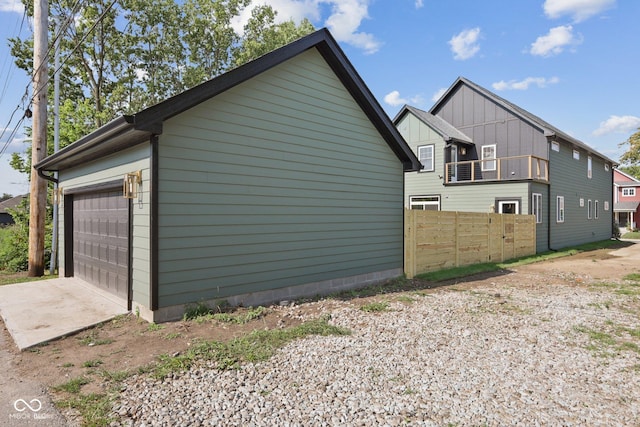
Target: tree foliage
x=632 y=155
x=121 y=56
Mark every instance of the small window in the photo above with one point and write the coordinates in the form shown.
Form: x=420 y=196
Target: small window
x=560 y=209
x=488 y=157
x=555 y=146
x=629 y=192
x=589 y=167
x=606 y=205
x=606 y=167
x=589 y=204
x=596 y=214
x=536 y=207
x=576 y=154
x=581 y=202
x=425 y=203
x=425 y=155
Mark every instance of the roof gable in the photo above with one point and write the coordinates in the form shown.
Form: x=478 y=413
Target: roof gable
x=130 y=130
x=440 y=126
x=620 y=177
x=547 y=129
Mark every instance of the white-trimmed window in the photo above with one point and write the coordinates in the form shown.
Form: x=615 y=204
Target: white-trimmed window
x=589 y=167
x=576 y=155
x=555 y=146
x=606 y=167
x=628 y=192
x=536 y=207
x=425 y=155
x=589 y=207
x=606 y=205
x=425 y=203
x=489 y=157
x=596 y=208
x=560 y=209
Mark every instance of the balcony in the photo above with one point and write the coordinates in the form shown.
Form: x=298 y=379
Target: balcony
x=495 y=170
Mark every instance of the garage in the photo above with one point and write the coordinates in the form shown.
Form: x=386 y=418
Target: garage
x=101 y=241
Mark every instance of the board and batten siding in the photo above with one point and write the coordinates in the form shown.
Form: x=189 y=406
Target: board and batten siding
x=108 y=169
x=487 y=123
x=569 y=179
x=278 y=182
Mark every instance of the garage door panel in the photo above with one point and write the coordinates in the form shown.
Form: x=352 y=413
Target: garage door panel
x=101 y=240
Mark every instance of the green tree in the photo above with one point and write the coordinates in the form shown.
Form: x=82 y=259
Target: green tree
x=5 y=196
x=632 y=155
x=633 y=170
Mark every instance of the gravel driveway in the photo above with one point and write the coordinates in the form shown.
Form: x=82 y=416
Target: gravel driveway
x=526 y=348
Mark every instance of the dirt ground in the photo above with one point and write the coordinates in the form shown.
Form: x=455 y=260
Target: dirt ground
x=127 y=343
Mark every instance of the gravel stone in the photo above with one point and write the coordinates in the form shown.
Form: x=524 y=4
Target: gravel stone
x=497 y=354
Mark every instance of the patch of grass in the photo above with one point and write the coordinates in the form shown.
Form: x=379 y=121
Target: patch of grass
x=241 y=318
x=375 y=306
x=254 y=347
x=631 y=235
x=631 y=346
x=7 y=278
x=458 y=272
x=406 y=299
x=72 y=386
x=394 y=285
x=114 y=376
x=91 y=339
x=154 y=327
x=68 y=365
x=201 y=309
x=92 y=363
x=172 y=335
x=95 y=409
x=633 y=277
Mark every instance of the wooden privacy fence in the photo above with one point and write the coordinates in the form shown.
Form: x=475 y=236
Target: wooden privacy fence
x=435 y=240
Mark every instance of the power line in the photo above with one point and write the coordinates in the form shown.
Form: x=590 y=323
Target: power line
x=77 y=46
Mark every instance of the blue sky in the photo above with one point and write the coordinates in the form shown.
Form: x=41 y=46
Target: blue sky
x=574 y=63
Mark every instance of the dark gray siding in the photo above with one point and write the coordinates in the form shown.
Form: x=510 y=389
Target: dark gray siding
x=488 y=123
x=569 y=179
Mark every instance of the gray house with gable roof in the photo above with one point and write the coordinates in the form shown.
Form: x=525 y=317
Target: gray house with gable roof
x=481 y=153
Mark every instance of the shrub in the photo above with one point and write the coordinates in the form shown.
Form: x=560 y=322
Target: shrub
x=14 y=246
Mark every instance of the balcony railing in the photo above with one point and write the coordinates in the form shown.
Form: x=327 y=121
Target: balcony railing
x=500 y=169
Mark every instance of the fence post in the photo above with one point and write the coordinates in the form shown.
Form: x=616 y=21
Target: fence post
x=457 y=224
x=410 y=244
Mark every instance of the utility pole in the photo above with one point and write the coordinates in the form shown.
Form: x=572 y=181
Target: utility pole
x=56 y=145
x=38 y=186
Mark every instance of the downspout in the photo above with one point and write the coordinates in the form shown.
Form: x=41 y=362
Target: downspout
x=49 y=178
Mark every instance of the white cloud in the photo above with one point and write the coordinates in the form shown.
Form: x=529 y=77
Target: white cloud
x=579 y=10
x=436 y=96
x=343 y=21
x=11 y=6
x=524 y=84
x=618 y=124
x=465 y=44
x=419 y=4
x=555 y=41
x=394 y=99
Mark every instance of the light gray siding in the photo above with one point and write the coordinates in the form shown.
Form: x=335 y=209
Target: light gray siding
x=109 y=169
x=569 y=179
x=280 y=181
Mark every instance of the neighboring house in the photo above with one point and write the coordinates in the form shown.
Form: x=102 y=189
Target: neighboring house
x=626 y=202
x=482 y=153
x=6 y=218
x=279 y=179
